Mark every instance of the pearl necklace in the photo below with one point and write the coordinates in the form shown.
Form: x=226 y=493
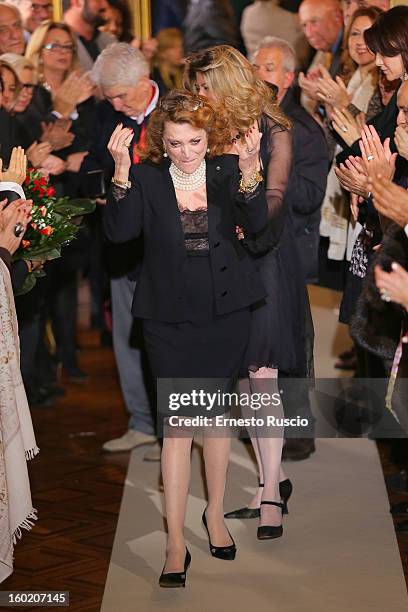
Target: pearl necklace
x=188 y=182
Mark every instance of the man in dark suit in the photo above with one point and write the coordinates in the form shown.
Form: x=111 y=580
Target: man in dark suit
x=275 y=62
x=322 y=24
x=122 y=73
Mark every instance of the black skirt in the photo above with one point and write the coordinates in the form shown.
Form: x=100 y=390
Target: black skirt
x=205 y=347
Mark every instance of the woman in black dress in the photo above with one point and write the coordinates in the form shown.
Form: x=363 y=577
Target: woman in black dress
x=281 y=332
x=196 y=283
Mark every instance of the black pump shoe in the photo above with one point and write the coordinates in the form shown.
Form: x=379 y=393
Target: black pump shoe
x=285 y=490
x=227 y=553
x=268 y=532
x=173 y=580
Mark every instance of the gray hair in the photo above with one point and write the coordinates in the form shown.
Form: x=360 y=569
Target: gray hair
x=273 y=42
x=119 y=64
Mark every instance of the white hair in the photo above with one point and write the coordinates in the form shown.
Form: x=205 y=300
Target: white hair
x=119 y=64
x=273 y=42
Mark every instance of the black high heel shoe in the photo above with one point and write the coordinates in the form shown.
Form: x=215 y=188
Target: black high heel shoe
x=268 y=532
x=285 y=491
x=173 y=580
x=227 y=553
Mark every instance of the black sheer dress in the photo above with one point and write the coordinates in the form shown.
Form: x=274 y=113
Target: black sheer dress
x=282 y=330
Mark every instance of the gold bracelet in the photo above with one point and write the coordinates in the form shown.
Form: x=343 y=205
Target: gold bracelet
x=251 y=185
x=123 y=184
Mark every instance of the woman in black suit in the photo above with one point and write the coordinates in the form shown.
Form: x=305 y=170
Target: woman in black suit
x=196 y=283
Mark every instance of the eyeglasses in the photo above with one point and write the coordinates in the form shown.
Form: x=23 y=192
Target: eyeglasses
x=58 y=47
x=188 y=104
x=41 y=7
x=28 y=86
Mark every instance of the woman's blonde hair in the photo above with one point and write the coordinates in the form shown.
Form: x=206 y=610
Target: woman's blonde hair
x=36 y=43
x=19 y=63
x=166 y=39
x=181 y=106
x=234 y=82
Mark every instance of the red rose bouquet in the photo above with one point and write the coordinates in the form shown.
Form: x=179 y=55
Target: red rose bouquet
x=55 y=222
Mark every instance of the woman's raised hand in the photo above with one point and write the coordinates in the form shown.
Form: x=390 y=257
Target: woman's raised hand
x=248 y=149
x=332 y=92
x=38 y=152
x=76 y=88
x=16 y=171
x=376 y=156
x=118 y=146
x=347 y=126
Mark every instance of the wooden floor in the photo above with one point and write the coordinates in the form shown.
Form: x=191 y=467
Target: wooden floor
x=77 y=489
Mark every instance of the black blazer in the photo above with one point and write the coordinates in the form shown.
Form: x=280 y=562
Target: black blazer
x=307 y=184
x=150 y=207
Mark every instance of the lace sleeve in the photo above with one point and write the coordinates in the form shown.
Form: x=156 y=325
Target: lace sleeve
x=276 y=151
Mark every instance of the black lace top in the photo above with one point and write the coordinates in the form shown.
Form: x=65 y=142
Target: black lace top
x=195 y=228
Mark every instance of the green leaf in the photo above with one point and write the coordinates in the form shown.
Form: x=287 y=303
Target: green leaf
x=28 y=284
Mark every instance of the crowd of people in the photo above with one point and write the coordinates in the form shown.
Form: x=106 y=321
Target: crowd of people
x=242 y=152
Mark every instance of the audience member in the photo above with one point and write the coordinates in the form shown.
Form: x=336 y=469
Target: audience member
x=168 y=60
x=322 y=24
x=33 y=13
x=122 y=73
x=209 y=22
x=11 y=29
x=268 y=18
x=84 y=18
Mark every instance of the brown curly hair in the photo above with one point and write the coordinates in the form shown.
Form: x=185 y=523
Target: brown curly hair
x=233 y=80
x=181 y=106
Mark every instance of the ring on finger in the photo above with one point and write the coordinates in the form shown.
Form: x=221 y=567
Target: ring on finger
x=18 y=229
x=370 y=157
x=343 y=127
x=385 y=296
x=250 y=150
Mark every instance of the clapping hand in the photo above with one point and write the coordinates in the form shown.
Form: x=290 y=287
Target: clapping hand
x=332 y=92
x=393 y=286
x=54 y=165
x=17 y=169
x=14 y=218
x=376 y=156
x=38 y=152
x=352 y=176
x=76 y=88
x=389 y=199
x=57 y=134
x=309 y=83
x=348 y=127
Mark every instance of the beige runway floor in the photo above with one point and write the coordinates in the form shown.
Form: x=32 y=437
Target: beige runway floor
x=338 y=552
